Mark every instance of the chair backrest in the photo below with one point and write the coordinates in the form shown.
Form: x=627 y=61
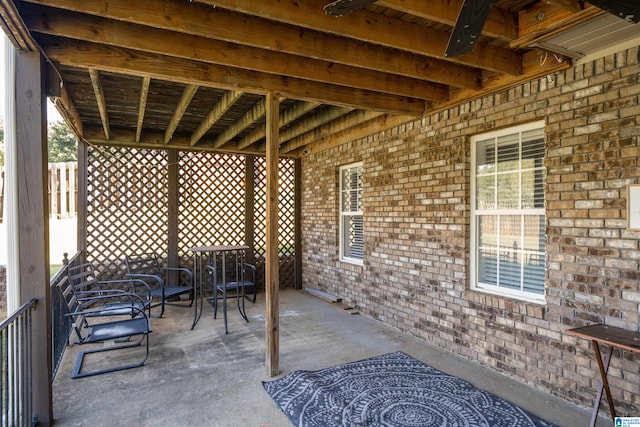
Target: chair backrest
x=83 y=277
x=148 y=263
x=73 y=306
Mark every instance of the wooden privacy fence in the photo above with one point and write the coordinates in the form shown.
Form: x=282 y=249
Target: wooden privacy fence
x=63 y=190
x=167 y=201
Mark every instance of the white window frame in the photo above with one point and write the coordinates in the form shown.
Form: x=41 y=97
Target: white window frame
x=346 y=213
x=475 y=214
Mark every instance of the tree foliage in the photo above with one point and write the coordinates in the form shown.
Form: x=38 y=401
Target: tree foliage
x=63 y=146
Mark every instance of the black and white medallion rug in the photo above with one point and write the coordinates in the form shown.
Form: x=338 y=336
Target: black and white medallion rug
x=390 y=390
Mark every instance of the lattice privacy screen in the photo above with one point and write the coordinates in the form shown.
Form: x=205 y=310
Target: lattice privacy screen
x=286 y=217
x=128 y=206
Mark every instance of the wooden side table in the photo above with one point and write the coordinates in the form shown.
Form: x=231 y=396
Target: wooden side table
x=613 y=337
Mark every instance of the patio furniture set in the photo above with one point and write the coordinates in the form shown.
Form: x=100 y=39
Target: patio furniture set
x=117 y=313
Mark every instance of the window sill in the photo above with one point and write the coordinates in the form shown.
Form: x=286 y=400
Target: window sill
x=515 y=296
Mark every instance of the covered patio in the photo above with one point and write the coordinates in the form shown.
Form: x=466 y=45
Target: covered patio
x=385 y=100
x=204 y=377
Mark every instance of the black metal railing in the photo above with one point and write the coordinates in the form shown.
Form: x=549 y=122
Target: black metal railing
x=17 y=368
x=60 y=324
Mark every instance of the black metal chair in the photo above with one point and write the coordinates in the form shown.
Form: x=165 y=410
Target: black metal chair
x=87 y=286
x=99 y=326
x=234 y=286
x=166 y=283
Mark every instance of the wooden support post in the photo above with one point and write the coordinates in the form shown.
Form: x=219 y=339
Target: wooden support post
x=83 y=193
x=272 y=280
x=297 y=279
x=33 y=220
x=172 y=250
x=249 y=197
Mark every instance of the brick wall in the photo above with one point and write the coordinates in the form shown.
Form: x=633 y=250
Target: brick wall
x=416 y=215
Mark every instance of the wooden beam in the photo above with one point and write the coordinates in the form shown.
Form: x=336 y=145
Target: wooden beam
x=501 y=24
x=153 y=40
x=68 y=112
x=155 y=140
x=542 y=20
x=571 y=5
x=226 y=102
x=341 y=124
x=374 y=28
x=196 y=19
x=144 y=92
x=187 y=95
x=100 y=99
x=14 y=27
x=256 y=113
x=534 y=68
x=272 y=281
x=126 y=61
x=293 y=113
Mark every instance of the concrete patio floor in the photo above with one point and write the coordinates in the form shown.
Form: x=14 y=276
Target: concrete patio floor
x=206 y=378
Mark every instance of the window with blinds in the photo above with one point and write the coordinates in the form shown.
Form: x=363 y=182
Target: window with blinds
x=351 y=221
x=507 y=215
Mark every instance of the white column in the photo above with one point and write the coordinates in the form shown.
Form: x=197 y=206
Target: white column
x=11 y=218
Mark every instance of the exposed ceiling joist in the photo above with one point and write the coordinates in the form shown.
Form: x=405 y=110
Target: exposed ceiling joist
x=313 y=122
x=299 y=109
x=196 y=19
x=193 y=75
x=181 y=108
x=501 y=24
x=96 y=83
x=221 y=107
x=144 y=91
x=255 y=114
x=127 y=61
x=147 y=39
x=313 y=135
x=374 y=28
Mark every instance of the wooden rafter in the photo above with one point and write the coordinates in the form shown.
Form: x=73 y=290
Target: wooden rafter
x=374 y=28
x=353 y=133
x=312 y=122
x=294 y=113
x=160 y=41
x=144 y=92
x=126 y=61
x=221 y=107
x=181 y=108
x=68 y=111
x=387 y=58
x=273 y=36
x=100 y=99
x=253 y=115
x=501 y=24
x=341 y=124
x=150 y=139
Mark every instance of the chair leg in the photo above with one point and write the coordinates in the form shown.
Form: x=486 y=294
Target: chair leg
x=224 y=308
x=215 y=303
x=80 y=360
x=239 y=297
